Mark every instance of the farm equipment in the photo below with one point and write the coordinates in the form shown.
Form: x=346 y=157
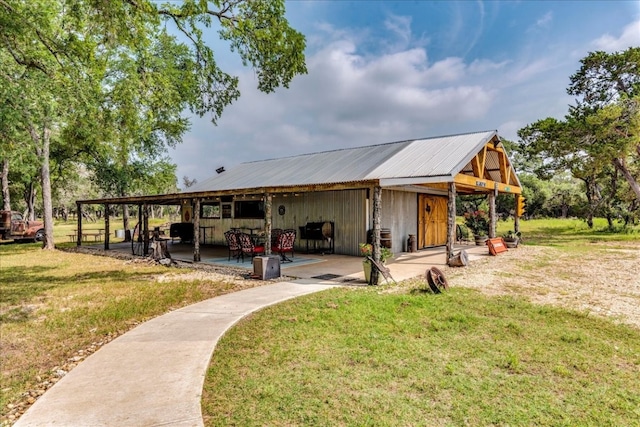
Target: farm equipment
x=14 y=227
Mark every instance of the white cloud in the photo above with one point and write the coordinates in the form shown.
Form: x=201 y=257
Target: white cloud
x=400 y=26
x=630 y=37
x=545 y=20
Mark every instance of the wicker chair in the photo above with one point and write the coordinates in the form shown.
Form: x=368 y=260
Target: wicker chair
x=233 y=244
x=284 y=244
x=248 y=247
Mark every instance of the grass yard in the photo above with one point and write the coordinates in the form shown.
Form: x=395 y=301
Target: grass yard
x=548 y=334
x=541 y=335
x=56 y=308
x=361 y=357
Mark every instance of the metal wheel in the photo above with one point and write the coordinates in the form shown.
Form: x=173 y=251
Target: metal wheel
x=39 y=237
x=437 y=282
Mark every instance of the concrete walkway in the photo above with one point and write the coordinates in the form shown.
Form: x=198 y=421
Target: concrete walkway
x=153 y=375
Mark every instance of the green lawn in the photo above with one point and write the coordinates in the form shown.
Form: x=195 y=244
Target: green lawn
x=360 y=357
x=404 y=356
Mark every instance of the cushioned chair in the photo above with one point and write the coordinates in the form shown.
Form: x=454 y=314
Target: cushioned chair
x=284 y=244
x=233 y=244
x=275 y=234
x=248 y=247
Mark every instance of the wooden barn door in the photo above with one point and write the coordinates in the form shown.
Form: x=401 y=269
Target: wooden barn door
x=432 y=221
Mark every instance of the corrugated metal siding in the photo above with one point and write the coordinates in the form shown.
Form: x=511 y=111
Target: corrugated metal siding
x=345 y=208
x=399 y=214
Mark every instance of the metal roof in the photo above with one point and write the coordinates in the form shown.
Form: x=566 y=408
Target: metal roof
x=443 y=156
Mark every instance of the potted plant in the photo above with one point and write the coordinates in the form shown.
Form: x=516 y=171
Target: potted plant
x=478 y=223
x=366 y=250
x=511 y=239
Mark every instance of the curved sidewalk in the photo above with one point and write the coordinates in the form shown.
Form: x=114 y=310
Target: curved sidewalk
x=153 y=375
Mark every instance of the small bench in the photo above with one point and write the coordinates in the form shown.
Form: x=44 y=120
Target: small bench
x=72 y=237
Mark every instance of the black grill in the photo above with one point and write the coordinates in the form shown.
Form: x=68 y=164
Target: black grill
x=183 y=230
x=319 y=232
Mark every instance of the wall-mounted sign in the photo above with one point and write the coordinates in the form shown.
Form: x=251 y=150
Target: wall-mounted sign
x=481 y=184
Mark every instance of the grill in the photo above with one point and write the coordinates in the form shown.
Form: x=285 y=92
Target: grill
x=183 y=230
x=319 y=233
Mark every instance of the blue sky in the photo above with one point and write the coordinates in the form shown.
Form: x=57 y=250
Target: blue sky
x=383 y=71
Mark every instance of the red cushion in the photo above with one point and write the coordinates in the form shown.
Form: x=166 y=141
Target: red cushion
x=258 y=249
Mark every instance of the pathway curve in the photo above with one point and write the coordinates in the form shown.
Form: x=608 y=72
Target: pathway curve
x=153 y=375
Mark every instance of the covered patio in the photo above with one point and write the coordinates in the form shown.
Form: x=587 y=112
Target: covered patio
x=345 y=269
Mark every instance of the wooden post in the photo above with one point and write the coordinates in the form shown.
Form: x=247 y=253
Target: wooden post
x=377 y=211
x=492 y=213
x=106 y=227
x=516 y=218
x=79 y=230
x=268 y=201
x=145 y=228
x=196 y=231
x=451 y=220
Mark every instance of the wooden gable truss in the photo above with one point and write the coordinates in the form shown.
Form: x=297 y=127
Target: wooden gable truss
x=489 y=169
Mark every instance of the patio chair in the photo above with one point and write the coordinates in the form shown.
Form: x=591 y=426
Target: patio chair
x=285 y=244
x=275 y=234
x=233 y=244
x=248 y=247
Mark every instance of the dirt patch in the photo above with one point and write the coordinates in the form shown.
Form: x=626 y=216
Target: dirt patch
x=599 y=278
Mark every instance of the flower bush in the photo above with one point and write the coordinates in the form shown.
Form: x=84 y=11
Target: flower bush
x=477 y=222
x=366 y=249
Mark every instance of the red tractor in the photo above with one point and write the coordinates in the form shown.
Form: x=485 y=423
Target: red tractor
x=13 y=226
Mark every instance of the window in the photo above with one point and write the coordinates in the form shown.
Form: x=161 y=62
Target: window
x=249 y=209
x=209 y=209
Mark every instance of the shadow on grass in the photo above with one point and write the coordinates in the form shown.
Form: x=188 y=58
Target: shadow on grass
x=22 y=286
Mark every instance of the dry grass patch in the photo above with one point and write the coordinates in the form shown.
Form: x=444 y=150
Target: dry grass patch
x=56 y=308
x=601 y=278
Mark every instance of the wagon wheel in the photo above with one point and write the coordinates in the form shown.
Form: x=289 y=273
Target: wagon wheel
x=437 y=282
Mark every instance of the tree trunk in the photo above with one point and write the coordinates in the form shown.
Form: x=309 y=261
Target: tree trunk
x=30 y=200
x=196 y=231
x=492 y=212
x=268 y=221
x=47 y=203
x=6 y=204
x=451 y=220
x=377 y=213
x=42 y=150
x=125 y=222
x=622 y=167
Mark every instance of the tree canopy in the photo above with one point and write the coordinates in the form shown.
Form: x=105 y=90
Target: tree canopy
x=106 y=83
x=599 y=139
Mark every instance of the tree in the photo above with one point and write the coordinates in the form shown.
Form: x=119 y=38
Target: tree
x=74 y=61
x=600 y=132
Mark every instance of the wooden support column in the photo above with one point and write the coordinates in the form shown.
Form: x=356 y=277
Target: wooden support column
x=268 y=220
x=516 y=218
x=377 y=213
x=106 y=226
x=492 y=212
x=196 y=231
x=145 y=230
x=451 y=219
x=79 y=230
